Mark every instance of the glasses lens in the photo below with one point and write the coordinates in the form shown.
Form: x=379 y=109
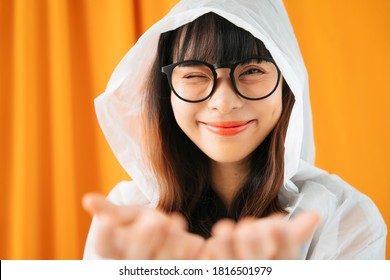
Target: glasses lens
x=192 y=80
x=256 y=78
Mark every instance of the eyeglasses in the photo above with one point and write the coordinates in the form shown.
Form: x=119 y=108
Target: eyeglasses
x=254 y=78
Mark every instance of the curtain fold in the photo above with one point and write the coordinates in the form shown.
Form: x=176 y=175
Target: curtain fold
x=57 y=56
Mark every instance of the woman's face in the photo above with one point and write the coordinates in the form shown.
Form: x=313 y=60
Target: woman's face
x=227 y=127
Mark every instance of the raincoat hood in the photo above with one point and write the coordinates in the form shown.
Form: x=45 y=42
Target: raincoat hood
x=119 y=107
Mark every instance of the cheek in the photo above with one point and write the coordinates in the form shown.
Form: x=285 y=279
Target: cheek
x=270 y=109
x=185 y=114
x=277 y=111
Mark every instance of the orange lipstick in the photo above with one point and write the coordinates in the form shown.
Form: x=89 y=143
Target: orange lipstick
x=227 y=128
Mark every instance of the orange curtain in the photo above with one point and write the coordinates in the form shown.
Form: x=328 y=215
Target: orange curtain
x=57 y=56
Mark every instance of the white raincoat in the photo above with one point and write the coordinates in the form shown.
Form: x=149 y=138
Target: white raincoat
x=351 y=228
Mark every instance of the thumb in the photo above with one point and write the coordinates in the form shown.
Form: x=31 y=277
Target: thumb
x=95 y=203
x=98 y=205
x=303 y=226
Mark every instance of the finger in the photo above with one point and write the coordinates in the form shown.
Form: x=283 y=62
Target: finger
x=295 y=232
x=246 y=238
x=207 y=252
x=257 y=239
x=145 y=237
x=94 y=203
x=216 y=249
x=180 y=245
x=303 y=226
x=219 y=246
x=97 y=204
x=223 y=228
x=178 y=221
x=107 y=243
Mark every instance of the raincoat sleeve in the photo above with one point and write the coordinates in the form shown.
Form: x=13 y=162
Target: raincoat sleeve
x=355 y=231
x=352 y=226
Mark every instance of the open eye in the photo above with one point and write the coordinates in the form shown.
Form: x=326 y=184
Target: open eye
x=252 y=71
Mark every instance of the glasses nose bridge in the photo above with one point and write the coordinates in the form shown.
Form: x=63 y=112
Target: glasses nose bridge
x=224 y=66
x=231 y=68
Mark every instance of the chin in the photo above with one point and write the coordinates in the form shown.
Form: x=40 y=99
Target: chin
x=227 y=157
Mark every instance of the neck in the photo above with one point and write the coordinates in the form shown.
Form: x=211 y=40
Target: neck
x=227 y=179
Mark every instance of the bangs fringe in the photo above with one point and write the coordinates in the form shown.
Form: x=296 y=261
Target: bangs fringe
x=213 y=39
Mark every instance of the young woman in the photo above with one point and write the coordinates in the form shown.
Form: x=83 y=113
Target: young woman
x=209 y=114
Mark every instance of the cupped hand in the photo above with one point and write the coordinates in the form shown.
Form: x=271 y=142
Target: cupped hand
x=139 y=232
x=265 y=238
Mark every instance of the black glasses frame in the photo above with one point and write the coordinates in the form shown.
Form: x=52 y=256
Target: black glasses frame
x=168 y=69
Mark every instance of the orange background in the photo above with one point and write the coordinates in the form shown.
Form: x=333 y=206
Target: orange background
x=57 y=56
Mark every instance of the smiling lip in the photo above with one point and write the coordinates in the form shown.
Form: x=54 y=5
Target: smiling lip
x=227 y=128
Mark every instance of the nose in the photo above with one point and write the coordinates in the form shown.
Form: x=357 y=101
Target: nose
x=224 y=98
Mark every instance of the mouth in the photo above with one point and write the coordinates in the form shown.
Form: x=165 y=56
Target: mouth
x=227 y=128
